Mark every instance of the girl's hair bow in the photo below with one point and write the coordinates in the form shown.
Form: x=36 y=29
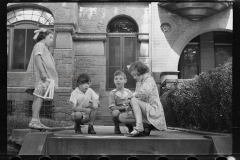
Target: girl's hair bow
x=38 y=31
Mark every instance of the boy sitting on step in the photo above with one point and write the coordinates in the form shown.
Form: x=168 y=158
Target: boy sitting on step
x=119 y=100
x=84 y=102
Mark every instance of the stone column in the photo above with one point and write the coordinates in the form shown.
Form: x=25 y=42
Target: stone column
x=144 y=51
x=64 y=61
x=63 y=53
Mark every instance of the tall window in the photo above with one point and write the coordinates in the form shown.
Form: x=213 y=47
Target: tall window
x=21 y=23
x=189 y=60
x=122 y=49
x=222 y=47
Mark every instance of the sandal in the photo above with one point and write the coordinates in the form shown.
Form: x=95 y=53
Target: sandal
x=35 y=125
x=43 y=126
x=136 y=133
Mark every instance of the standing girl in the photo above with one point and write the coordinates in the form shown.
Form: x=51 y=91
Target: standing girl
x=41 y=66
x=145 y=103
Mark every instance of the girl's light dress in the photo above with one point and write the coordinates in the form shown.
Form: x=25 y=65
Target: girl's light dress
x=154 y=109
x=48 y=66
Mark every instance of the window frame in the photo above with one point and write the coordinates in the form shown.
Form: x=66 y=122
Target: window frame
x=25 y=24
x=121 y=36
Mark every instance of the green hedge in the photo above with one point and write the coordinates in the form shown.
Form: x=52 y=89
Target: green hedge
x=202 y=103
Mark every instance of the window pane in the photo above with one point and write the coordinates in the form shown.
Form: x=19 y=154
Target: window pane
x=190 y=71
x=28 y=17
x=189 y=61
x=46 y=15
x=28 y=11
x=18 y=49
x=129 y=52
x=12 y=20
x=30 y=45
x=222 y=53
x=112 y=70
x=51 y=21
x=114 y=51
x=37 y=12
x=20 y=17
x=18 y=11
x=42 y=20
x=35 y=18
x=10 y=15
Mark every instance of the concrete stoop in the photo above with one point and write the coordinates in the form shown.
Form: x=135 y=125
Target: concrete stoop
x=105 y=142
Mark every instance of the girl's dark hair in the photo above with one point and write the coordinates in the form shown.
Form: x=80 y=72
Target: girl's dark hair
x=140 y=67
x=119 y=72
x=83 y=78
x=43 y=35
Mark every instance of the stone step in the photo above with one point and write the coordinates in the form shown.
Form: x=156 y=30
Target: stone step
x=128 y=146
x=105 y=142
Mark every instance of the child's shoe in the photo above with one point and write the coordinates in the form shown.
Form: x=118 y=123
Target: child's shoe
x=130 y=127
x=117 y=130
x=43 y=126
x=148 y=129
x=91 y=130
x=34 y=125
x=136 y=133
x=78 y=129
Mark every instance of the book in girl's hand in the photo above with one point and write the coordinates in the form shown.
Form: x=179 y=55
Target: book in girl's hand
x=50 y=90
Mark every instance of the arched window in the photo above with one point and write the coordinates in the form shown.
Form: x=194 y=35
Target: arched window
x=122 y=25
x=32 y=14
x=204 y=52
x=122 y=48
x=21 y=23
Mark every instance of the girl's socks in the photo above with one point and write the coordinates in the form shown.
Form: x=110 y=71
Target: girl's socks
x=139 y=127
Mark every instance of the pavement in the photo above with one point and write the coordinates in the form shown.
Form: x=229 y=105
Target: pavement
x=108 y=131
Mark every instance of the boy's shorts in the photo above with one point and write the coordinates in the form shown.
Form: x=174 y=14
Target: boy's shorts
x=83 y=114
x=41 y=88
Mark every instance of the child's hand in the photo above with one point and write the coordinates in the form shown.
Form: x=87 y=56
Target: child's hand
x=87 y=110
x=43 y=77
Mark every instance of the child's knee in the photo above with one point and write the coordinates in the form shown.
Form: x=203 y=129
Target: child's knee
x=133 y=100
x=121 y=117
x=115 y=113
x=94 y=105
x=78 y=116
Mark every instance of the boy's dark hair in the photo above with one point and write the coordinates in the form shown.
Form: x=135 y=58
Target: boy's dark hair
x=83 y=78
x=140 y=67
x=119 y=72
x=43 y=35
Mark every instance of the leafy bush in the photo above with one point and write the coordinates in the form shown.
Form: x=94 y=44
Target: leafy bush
x=202 y=103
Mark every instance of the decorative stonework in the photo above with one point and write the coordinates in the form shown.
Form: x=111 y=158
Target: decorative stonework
x=89 y=37
x=165 y=27
x=65 y=28
x=143 y=38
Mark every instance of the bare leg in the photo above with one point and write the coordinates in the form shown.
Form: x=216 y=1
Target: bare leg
x=139 y=109
x=93 y=113
x=36 y=106
x=115 y=114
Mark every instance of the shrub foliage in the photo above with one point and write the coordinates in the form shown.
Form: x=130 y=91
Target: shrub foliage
x=202 y=103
